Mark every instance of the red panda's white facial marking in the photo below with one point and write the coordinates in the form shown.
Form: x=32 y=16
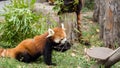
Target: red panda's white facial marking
x=58 y=40
x=63 y=41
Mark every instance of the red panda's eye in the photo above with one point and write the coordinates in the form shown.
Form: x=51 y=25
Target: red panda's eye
x=61 y=39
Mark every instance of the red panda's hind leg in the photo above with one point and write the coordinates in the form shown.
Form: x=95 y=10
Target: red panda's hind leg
x=23 y=57
x=26 y=57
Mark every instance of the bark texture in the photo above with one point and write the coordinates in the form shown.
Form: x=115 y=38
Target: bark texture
x=69 y=20
x=96 y=11
x=107 y=13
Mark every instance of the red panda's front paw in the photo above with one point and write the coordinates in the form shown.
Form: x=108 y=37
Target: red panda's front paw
x=54 y=64
x=51 y=64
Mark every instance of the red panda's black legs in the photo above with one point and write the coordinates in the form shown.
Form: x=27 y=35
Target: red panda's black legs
x=24 y=57
x=47 y=53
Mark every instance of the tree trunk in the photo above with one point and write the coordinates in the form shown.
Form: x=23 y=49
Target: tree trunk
x=69 y=20
x=109 y=20
x=96 y=11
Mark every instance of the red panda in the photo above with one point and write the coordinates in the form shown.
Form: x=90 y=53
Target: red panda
x=30 y=49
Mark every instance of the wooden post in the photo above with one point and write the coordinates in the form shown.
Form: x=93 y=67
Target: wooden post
x=69 y=20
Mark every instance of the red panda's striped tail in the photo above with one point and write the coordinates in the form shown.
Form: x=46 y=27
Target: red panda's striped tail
x=1 y=52
x=7 y=52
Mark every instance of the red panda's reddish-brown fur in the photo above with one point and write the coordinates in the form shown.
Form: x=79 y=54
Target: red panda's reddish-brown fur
x=31 y=47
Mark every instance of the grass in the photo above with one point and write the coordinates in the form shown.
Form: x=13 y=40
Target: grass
x=63 y=60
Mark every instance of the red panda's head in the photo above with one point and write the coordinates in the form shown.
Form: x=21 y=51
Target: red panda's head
x=57 y=34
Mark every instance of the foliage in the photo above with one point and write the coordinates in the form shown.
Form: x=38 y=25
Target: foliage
x=59 y=4
x=21 y=23
x=19 y=19
x=89 y=4
x=22 y=3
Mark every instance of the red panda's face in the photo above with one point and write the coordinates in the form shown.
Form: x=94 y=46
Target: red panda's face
x=58 y=34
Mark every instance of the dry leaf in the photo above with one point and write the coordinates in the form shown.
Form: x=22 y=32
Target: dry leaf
x=93 y=36
x=78 y=67
x=49 y=66
x=91 y=21
x=73 y=54
x=85 y=50
x=97 y=30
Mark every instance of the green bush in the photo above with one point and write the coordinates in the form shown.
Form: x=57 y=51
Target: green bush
x=21 y=23
x=18 y=21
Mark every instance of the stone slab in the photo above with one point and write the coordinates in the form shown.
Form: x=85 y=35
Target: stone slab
x=101 y=53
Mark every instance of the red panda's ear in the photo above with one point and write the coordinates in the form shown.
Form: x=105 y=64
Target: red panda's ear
x=62 y=25
x=50 y=32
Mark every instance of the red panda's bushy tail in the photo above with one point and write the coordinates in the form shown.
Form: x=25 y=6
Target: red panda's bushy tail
x=7 y=52
x=1 y=52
